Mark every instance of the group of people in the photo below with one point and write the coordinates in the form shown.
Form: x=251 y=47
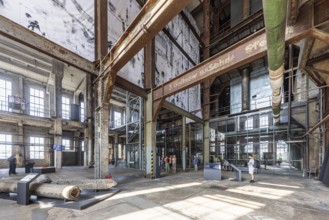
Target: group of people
x=169 y=163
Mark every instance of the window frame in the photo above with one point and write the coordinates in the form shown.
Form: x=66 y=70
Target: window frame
x=34 y=111
x=66 y=108
x=39 y=147
x=4 y=84
x=7 y=147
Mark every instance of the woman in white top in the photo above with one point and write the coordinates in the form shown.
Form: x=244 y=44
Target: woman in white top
x=251 y=168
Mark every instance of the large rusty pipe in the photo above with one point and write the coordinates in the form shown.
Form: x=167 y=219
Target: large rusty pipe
x=275 y=12
x=245 y=77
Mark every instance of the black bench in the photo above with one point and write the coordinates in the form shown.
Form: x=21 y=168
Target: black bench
x=41 y=170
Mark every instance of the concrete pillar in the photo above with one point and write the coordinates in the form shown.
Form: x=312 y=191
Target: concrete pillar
x=89 y=131
x=190 y=145
x=116 y=149
x=206 y=142
x=150 y=136
x=20 y=148
x=58 y=141
x=77 y=145
x=102 y=142
x=58 y=71
x=245 y=88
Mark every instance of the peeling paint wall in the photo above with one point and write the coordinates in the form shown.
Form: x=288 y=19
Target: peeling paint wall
x=170 y=62
x=67 y=23
x=260 y=91
x=120 y=15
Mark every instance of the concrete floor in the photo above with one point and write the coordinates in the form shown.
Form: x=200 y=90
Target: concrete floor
x=185 y=195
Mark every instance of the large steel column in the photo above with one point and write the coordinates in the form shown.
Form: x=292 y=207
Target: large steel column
x=102 y=114
x=207 y=83
x=245 y=88
x=149 y=64
x=58 y=71
x=101 y=29
x=150 y=136
x=245 y=9
x=102 y=142
x=183 y=150
x=206 y=142
x=275 y=24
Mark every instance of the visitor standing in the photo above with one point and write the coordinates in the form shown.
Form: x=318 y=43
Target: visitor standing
x=195 y=162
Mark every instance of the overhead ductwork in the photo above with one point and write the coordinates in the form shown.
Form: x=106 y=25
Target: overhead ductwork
x=275 y=12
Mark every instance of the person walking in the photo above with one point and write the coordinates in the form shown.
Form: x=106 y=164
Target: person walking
x=251 y=168
x=173 y=161
x=195 y=162
x=166 y=161
x=12 y=165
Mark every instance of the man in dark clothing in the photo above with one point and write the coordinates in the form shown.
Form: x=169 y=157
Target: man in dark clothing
x=12 y=165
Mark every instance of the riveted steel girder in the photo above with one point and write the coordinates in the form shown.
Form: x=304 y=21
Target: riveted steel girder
x=151 y=19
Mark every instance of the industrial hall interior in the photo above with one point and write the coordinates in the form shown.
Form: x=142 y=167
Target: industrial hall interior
x=133 y=85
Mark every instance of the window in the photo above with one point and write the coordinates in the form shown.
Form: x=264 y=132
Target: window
x=37 y=105
x=249 y=148
x=222 y=147
x=263 y=121
x=82 y=111
x=117 y=119
x=37 y=148
x=65 y=108
x=5 y=146
x=263 y=148
x=67 y=144
x=5 y=91
x=82 y=145
x=249 y=124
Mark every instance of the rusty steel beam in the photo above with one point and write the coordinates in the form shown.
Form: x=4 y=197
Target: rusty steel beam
x=33 y=40
x=292 y=11
x=181 y=111
x=320 y=35
x=244 y=52
x=129 y=86
x=151 y=19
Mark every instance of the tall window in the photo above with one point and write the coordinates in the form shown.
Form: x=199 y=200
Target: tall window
x=263 y=121
x=263 y=148
x=37 y=148
x=82 y=146
x=5 y=91
x=67 y=144
x=37 y=102
x=5 y=146
x=249 y=124
x=222 y=147
x=82 y=111
x=117 y=119
x=65 y=108
x=249 y=148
